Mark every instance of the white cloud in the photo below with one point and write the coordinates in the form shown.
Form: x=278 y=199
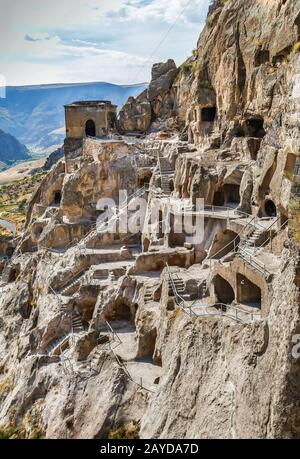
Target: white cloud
x=92 y=40
x=169 y=11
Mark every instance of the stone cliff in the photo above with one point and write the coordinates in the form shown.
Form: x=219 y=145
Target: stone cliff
x=107 y=330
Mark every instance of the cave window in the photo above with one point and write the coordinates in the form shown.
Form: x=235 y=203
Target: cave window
x=248 y=293
x=90 y=128
x=232 y=194
x=223 y=290
x=261 y=57
x=208 y=114
x=255 y=127
x=57 y=197
x=270 y=209
x=14 y=274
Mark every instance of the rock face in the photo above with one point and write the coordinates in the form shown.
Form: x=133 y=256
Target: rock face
x=190 y=320
x=138 y=113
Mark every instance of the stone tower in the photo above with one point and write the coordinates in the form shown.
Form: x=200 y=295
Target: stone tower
x=88 y=119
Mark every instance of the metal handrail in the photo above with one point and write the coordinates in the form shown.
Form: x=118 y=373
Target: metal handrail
x=205 y=305
x=234 y=240
x=272 y=236
x=136 y=194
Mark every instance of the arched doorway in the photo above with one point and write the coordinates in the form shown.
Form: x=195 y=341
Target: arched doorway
x=57 y=197
x=270 y=209
x=223 y=290
x=248 y=293
x=90 y=128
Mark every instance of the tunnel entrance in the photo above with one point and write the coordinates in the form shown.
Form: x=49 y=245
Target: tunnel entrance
x=223 y=290
x=232 y=194
x=57 y=197
x=254 y=127
x=90 y=128
x=219 y=198
x=208 y=114
x=248 y=293
x=270 y=209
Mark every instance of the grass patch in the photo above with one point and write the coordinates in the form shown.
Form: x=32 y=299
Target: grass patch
x=130 y=431
x=296 y=47
x=294 y=209
x=14 y=198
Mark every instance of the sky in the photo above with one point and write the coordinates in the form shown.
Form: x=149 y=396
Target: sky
x=116 y=41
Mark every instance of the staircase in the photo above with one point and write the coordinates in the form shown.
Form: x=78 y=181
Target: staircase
x=100 y=274
x=56 y=344
x=253 y=239
x=203 y=289
x=77 y=326
x=166 y=173
x=112 y=277
x=72 y=283
x=102 y=227
x=178 y=283
x=148 y=295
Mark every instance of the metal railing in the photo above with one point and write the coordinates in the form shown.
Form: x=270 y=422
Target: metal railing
x=266 y=242
x=104 y=225
x=222 y=309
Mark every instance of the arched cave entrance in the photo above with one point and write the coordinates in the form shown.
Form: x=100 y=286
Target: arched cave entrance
x=248 y=293
x=14 y=273
x=254 y=127
x=232 y=194
x=90 y=128
x=57 y=197
x=223 y=290
x=270 y=208
x=208 y=114
x=224 y=244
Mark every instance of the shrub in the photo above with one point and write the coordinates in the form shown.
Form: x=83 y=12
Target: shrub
x=125 y=432
x=296 y=47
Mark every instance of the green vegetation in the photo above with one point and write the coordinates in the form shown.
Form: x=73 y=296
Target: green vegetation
x=10 y=432
x=296 y=47
x=294 y=208
x=6 y=386
x=14 y=198
x=125 y=432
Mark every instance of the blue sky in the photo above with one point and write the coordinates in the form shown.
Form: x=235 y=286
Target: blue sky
x=67 y=41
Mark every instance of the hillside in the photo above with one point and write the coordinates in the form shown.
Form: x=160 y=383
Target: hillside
x=35 y=114
x=11 y=149
x=174 y=315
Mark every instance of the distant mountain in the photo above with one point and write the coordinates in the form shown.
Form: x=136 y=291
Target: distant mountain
x=35 y=114
x=11 y=149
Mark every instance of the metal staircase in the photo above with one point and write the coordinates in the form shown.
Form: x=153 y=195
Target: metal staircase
x=200 y=309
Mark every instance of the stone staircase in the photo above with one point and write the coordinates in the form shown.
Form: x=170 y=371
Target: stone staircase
x=100 y=274
x=113 y=278
x=77 y=325
x=167 y=174
x=253 y=239
x=204 y=289
x=71 y=286
x=148 y=294
x=57 y=344
x=179 y=286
